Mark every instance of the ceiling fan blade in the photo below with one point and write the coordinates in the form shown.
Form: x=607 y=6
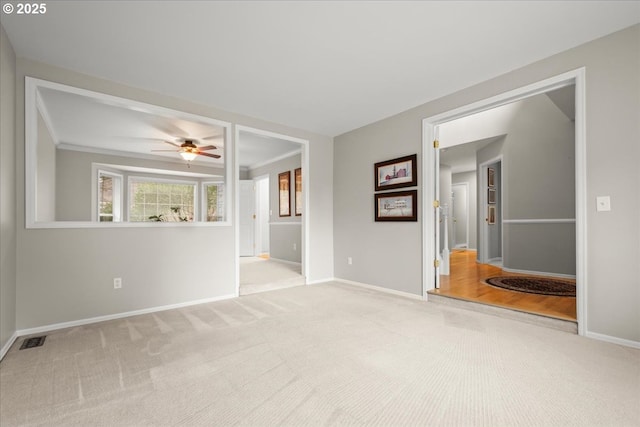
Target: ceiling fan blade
x=215 y=156
x=208 y=147
x=171 y=143
x=173 y=151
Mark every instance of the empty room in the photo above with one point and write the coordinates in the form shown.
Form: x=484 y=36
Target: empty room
x=269 y=213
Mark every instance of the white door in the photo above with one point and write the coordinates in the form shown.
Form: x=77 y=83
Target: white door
x=460 y=215
x=247 y=218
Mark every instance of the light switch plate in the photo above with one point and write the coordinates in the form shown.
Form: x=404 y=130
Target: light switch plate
x=603 y=203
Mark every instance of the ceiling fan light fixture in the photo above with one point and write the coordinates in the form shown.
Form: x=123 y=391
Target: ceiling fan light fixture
x=188 y=155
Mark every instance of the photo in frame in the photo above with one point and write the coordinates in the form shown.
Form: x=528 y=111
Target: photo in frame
x=284 y=182
x=491 y=196
x=491 y=218
x=297 y=182
x=396 y=206
x=491 y=177
x=396 y=173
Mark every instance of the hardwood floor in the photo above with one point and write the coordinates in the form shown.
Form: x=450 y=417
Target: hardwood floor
x=465 y=282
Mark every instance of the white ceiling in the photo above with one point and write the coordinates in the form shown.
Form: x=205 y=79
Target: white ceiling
x=322 y=66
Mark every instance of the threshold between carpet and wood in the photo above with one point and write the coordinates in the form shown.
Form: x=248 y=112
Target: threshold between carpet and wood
x=466 y=285
x=329 y=354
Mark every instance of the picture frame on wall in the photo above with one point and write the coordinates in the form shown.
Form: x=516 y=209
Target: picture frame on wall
x=284 y=183
x=396 y=173
x=491 y=177
x=491 y=215
x=396 y=206
x=491 y=196
x=297 y=182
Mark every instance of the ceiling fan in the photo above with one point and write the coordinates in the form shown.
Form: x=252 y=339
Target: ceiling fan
x=189 y=150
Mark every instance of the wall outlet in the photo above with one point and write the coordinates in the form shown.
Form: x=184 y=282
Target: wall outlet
x=603 y=203
x=117 y=283
x=349 y=260
x=295 y=247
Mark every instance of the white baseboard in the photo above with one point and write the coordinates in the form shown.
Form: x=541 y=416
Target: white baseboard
x=8 y=344
x=539 y=273
x=613 y=340
x=380 y=289
x=74 y=323
x=321 y=281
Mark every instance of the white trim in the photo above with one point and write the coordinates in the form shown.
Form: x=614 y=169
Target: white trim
x=306 y=253
x=90 y=320
x=285 y=223
x=322 y=281
x=613 y=340
x=540 y=221
x=429 y=127
x=379 y=289
x=31 y=134
x=8 y=344
x=539 y=273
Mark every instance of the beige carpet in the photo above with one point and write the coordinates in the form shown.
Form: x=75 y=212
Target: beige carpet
x=259 y=275
x=328 y=355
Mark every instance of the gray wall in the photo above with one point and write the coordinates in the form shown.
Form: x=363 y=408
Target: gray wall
x=7 y=191
x=284 y=231
x=75 y=267
x=612 y=135
x=74 y=180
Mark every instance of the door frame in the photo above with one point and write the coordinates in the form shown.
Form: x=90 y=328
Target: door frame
x=304 y=145
x=258 y=224
x=430 y=156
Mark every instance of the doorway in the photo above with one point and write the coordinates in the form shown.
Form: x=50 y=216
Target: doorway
x=272 y=247
x=431 y=154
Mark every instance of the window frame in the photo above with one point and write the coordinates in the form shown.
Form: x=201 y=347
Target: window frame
x=118 y=194
x=139 y=178
x=203 y=205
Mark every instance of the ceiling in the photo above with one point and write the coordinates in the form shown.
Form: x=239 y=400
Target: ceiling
x=322 y=66
x=88 y=122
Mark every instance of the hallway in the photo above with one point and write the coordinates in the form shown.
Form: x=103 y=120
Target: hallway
x=465 y=282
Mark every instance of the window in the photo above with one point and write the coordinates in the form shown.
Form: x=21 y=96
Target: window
x=109 y=197
x=161 y=200
x=213 y=206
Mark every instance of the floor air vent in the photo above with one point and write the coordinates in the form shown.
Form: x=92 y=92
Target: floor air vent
x=32 y=342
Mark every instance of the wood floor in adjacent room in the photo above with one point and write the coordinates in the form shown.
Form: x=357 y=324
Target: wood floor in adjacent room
x=465 y=282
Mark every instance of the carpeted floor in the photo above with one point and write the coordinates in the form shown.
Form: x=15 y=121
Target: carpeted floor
x=260 y=274
x=329 y=355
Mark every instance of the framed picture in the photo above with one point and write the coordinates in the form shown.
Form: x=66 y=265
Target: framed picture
x=491 y=219
x=396 y=206
x=491 y=177
x=396 y=173
x=284 y=179
x=297 y=179
x=491 y=197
